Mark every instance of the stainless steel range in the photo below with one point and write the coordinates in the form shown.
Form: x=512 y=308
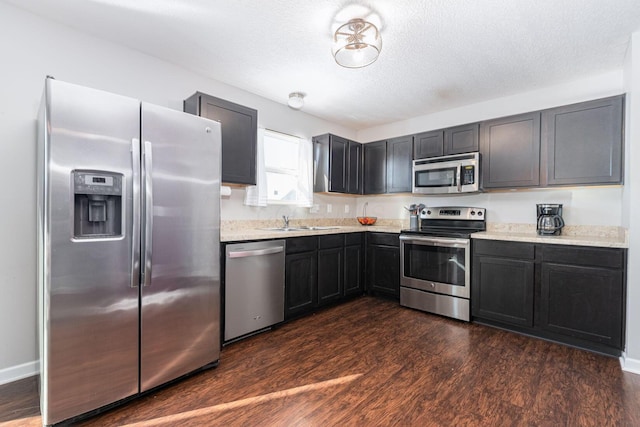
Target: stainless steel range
x=435 y=271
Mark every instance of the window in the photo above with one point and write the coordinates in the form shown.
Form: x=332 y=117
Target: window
x=284 y=171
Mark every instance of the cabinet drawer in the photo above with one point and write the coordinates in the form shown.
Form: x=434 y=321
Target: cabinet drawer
x=353 y=239
x=504 y=249
x=389 y=239
x=331 y=241
x=582 y=255
x=301 y=244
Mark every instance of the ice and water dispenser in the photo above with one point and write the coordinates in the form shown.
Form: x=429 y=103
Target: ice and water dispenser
x=97 y=208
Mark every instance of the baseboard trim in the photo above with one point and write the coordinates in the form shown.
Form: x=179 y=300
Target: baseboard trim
x=630 y=365
x=15 y=373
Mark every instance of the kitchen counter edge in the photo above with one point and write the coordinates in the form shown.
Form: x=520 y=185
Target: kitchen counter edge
x=257 y=234
x=596 y=241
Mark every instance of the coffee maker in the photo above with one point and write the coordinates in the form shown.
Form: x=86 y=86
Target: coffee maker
x=550 y=220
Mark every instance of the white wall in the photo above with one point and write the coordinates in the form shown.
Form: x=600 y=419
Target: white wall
x=631 y=203
x=31 y=49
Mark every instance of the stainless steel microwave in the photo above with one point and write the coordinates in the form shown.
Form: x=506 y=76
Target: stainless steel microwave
x=458 y=173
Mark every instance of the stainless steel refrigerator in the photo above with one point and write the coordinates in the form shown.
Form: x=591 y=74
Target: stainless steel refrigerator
x=128 y=247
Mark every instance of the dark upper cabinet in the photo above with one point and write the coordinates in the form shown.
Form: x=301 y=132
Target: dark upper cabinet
x=461 y=139
x=239 y=135
x=399 y=164
x=354 y=168
x=583 y=143
x=338 y=164
x=510 y=149
x=428 y=144
x=375 y=167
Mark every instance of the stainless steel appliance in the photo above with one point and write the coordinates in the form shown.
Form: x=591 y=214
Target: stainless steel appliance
x=459 y=173
x=254 y=287
x=436 y=261
x=128 y=247
x=550 y=220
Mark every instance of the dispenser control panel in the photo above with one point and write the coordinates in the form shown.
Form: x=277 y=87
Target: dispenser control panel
x=97 y=183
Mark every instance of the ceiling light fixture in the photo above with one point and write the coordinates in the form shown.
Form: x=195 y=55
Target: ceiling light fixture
x=296 y=100
x=356 y=44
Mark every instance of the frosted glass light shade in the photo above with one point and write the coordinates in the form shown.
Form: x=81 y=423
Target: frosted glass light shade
x=356 y=44
x=296 y=100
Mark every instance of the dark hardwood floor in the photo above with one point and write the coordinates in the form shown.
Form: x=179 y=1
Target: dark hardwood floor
x=372 y=363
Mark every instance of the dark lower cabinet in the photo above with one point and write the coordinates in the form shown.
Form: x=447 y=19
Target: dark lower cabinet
x=330 y=268
x=383 y=264
x=320 y=270
x=582 y=293
x=353 y=264
x=506 y=294
x=569 y=294
x=301 y=270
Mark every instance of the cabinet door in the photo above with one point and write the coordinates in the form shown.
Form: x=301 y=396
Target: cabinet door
x=353 y=269
x=583 y=143
x=583 y=302
x=300 y=283
x=510 y=149
x=399 y=164
x=428 y=144
x=375 y=167
x=383 y=265
x=503 y=290
x=239 y=136
x=461 y=139
x=330 y=274
x=354 y=179
x=338 y=151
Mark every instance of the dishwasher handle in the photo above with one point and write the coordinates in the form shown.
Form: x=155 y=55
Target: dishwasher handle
x=255 y=252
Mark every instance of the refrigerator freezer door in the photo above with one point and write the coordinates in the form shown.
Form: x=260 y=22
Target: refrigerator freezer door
x=88 y=309
x=180 y=304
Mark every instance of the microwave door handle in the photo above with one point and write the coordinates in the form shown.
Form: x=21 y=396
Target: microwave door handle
x=458 y=170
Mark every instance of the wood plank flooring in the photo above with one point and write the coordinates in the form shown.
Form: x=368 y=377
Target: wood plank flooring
x=371 y=362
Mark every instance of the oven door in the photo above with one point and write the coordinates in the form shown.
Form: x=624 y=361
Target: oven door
x=435 y=264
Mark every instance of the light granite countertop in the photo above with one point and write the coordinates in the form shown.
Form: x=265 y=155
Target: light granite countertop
x=233 y=231
x=598 y=236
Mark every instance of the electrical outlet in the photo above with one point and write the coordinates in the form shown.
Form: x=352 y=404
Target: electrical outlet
x=314 y=209
x=346 y=208
x=329 y=208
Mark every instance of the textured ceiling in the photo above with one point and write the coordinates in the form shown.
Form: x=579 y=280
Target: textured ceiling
x=436 y=54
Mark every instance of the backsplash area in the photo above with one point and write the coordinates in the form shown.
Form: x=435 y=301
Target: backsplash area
x=585 y=206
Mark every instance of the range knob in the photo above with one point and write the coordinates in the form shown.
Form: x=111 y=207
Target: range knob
x=428 y=212
x=474 y=212
x=480 y=213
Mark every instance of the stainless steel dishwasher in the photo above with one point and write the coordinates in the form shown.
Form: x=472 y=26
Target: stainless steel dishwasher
x=254 y=287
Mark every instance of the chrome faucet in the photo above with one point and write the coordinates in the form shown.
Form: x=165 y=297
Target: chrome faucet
x=285 y=221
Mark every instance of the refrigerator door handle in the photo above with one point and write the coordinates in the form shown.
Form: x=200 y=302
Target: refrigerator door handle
x=135 y=208
x=148 y=213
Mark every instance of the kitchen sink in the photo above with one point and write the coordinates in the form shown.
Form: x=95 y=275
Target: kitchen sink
x=301 y=228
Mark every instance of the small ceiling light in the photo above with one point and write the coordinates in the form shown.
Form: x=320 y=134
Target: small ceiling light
x=356 y=44
x=296 y=100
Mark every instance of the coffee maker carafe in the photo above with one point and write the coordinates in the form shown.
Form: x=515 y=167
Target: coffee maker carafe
x=550 y=220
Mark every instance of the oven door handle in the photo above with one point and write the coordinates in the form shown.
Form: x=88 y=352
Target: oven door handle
x=434 y=240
